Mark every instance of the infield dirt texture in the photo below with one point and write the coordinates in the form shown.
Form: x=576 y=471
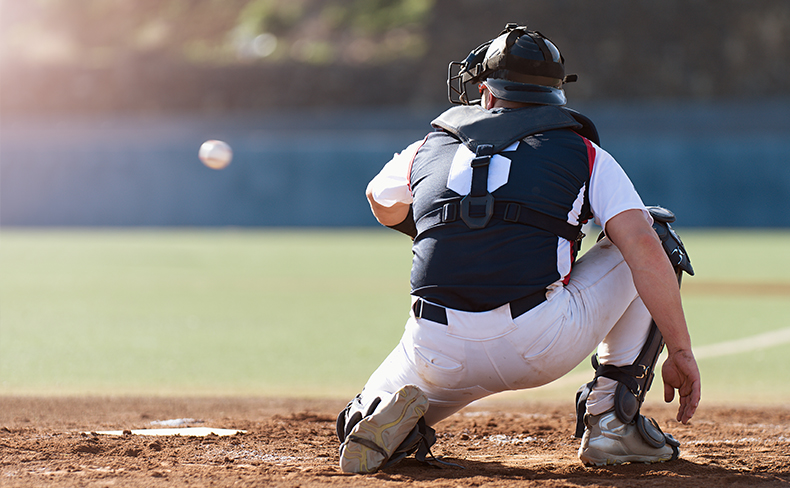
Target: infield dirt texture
x=292 y=443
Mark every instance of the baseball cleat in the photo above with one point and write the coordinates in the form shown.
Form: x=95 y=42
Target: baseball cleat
x=373 y=440
x=607 y=440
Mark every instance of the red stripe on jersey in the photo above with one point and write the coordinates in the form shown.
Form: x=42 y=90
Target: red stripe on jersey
x=567 y=278
x=590 y=153
x=408 y=175
x=590 y=161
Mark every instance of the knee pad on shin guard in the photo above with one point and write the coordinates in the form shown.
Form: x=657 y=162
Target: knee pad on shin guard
x=633 y=381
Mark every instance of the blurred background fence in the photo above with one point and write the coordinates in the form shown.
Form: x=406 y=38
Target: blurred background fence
x=104 y=103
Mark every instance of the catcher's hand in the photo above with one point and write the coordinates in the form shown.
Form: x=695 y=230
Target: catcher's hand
x=680 y=372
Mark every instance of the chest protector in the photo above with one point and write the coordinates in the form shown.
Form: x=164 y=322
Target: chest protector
x=479 y=251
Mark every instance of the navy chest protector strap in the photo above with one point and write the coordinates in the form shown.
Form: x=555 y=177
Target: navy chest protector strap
x=513 y=212
x=499 y=129
x=477 y=208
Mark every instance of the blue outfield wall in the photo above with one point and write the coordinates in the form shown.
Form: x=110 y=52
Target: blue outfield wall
x=722 y=165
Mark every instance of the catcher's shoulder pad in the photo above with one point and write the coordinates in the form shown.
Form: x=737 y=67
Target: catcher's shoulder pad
x=587 y=128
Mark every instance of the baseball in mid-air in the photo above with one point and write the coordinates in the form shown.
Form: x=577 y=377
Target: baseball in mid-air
x=215 y=154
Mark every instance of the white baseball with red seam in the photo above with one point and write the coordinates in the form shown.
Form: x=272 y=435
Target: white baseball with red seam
x=215 y=154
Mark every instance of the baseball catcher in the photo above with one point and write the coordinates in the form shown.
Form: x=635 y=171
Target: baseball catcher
x=494 y=199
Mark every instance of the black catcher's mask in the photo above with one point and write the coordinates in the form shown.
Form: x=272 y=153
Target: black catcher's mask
x=519 y=65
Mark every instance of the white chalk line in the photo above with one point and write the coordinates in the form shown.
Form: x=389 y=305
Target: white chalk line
x=735 y=442
x=746 y=344
x=187 y=431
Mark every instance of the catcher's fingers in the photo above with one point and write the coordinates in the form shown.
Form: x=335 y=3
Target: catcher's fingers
x=680 y=373
x=689 y=399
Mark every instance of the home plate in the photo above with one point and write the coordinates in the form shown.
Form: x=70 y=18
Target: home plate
x=186 y=431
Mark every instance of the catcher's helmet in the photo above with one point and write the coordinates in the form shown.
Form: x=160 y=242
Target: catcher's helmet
x=519 y=65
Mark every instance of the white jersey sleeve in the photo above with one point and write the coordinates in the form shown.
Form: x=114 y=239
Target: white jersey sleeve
x=611 y=191
x=391 y=185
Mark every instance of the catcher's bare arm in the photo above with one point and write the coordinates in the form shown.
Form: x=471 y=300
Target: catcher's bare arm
x=656 y=283
x=388 y=216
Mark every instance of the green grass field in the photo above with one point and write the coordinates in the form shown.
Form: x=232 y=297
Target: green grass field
x=268 y=312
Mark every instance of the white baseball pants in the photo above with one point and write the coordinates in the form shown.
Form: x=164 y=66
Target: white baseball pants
x=481 y=353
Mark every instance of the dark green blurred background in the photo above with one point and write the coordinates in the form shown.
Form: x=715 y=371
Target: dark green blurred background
x=217 y=55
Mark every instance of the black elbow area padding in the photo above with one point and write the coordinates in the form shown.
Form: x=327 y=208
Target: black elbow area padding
x=670 y=240
x=408 y=226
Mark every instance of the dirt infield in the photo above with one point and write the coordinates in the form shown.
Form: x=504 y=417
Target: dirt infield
x=290 y=443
